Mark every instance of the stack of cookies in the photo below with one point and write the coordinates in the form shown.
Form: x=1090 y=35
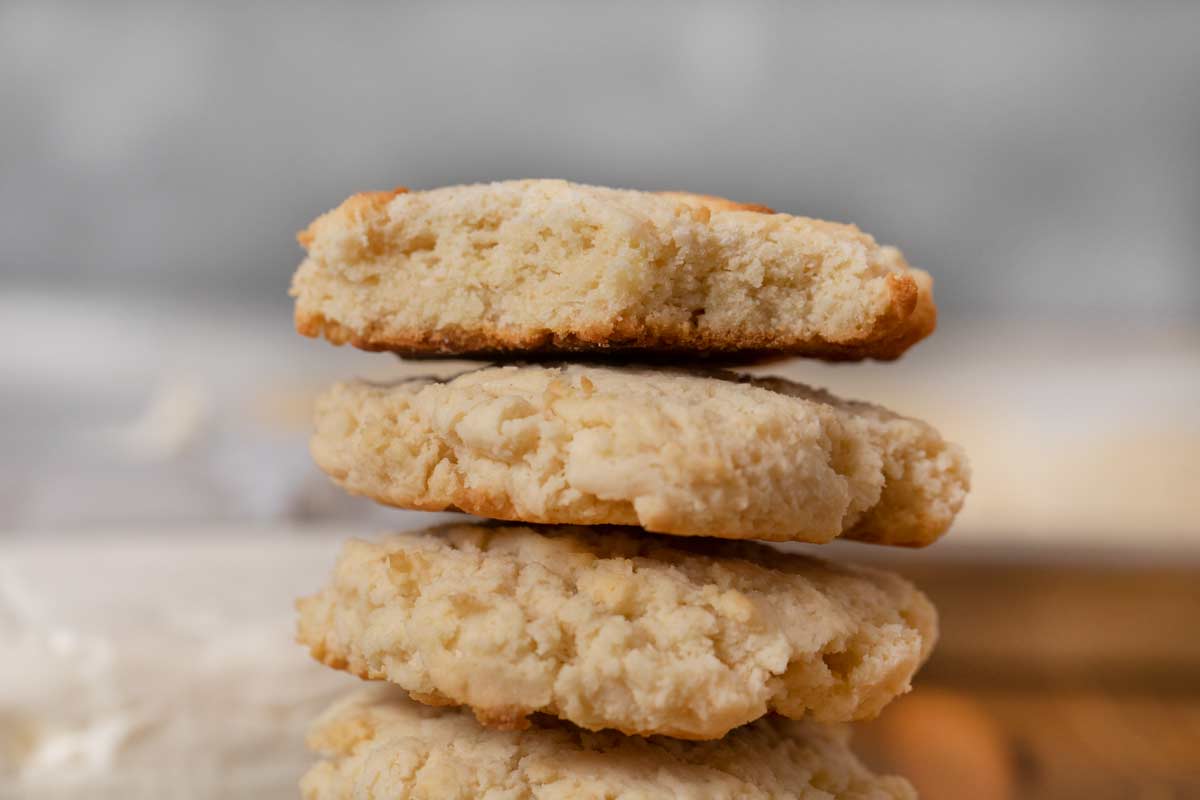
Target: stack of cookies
x=617 y=634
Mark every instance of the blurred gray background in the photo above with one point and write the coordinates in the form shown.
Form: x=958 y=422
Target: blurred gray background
x=1042 y=160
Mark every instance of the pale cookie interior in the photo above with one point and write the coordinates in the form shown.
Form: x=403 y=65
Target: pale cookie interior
x=547 y=265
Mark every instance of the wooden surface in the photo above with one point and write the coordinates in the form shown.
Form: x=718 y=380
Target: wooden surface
x=1051 y=680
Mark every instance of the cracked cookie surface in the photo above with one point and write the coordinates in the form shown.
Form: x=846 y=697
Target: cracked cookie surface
x=616 y=628
x=379 y=745
x=687 y=453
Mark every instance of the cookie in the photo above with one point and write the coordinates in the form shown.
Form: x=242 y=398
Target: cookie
x=546 y=266
x=616 y=628
x=673 y=451
x=377 y=744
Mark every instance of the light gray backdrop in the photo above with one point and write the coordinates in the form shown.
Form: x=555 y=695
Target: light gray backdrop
x=1039 y=158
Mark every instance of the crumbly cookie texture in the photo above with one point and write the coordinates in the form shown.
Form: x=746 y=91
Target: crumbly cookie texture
x=555 y=267
x=617 y=628
x=686 y=453
x=378 y=745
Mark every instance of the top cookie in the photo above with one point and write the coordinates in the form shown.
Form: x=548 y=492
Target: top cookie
x=547 y=266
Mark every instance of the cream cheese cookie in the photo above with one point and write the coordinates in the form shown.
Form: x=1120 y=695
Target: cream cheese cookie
x=555 y=267
x=617 y=628
x=685 y=453
x=379 y=745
